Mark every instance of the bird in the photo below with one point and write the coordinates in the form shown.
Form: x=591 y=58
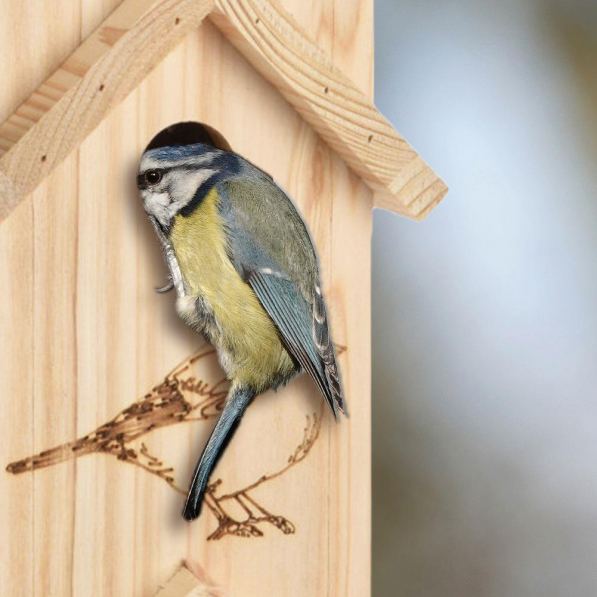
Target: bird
x=246 y=276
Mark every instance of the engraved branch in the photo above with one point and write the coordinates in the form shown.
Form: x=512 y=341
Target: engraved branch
x=180 y=398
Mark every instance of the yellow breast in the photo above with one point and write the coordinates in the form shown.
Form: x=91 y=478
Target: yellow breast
x=246 y=338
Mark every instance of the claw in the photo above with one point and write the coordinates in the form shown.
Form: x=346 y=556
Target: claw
x=166 y=288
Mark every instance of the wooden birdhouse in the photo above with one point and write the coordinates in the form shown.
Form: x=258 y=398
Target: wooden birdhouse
x=107 y=396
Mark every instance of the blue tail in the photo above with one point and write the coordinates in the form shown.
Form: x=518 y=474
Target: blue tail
x=236 y=402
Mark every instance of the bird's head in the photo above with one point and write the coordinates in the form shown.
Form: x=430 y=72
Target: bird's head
x=171 y=177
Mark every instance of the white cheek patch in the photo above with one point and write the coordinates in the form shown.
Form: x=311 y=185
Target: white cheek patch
x=184 y=185
x=156 y=205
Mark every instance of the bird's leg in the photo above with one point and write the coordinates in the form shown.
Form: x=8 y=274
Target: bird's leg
x=176 y=280
x=280 y=522
x=175 y=273
x=167 y=288
x=244 y=507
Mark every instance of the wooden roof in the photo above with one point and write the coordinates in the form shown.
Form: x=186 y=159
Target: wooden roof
x=139 y=33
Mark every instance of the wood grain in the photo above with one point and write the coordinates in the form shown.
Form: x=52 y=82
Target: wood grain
x=86 y=336
x=352 y=48
x=187 y=583
x=83 y=336
x=75 y=99
x=337 y=109
x=114 y=59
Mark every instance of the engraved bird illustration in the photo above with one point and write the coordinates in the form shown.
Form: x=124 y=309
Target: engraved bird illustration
x=191 y=392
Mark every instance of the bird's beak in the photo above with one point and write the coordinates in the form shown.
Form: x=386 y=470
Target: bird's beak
x=161 y=232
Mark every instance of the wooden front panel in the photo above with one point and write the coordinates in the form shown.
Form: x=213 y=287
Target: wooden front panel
x=90 y=355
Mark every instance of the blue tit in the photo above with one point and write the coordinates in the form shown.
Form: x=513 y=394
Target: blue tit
x=246 y=276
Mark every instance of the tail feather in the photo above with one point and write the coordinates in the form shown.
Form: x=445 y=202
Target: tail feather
x=237 y=401
x=327 y=354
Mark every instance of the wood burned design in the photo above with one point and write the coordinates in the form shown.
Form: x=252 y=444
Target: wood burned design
x=256 y=514
x=181 y=397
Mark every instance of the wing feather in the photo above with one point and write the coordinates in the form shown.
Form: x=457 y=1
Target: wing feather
x=271 y=249
x=283 y=304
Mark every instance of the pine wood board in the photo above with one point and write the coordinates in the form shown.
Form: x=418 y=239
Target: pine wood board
x=86 y=336
x=189 y=583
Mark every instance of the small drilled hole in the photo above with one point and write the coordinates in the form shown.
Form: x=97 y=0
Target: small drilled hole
x=101 y=87
x=326 y=90
x=176 y=21
x=44 y=158
x=370 y=139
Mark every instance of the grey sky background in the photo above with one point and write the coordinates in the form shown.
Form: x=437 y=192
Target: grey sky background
x=485 y=315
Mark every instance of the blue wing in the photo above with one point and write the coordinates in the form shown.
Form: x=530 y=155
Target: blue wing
x=290 y=314
x=275 y=256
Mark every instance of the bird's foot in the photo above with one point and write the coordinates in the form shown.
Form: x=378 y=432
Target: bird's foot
x=166 y=288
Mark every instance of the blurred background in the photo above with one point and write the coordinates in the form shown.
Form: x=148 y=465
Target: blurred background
x=485 y=315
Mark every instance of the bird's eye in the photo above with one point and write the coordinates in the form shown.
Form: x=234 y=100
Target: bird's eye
x=153 y=176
